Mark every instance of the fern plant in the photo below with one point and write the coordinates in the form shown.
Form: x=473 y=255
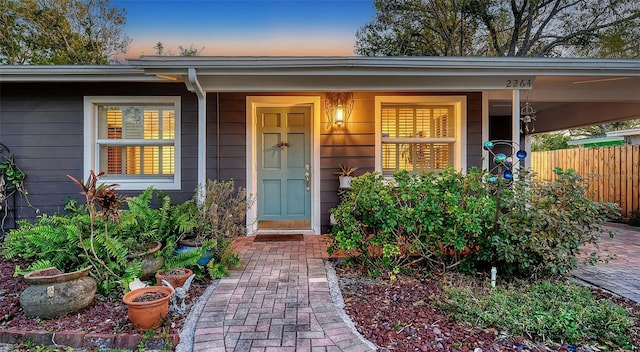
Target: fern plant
x=52 y=238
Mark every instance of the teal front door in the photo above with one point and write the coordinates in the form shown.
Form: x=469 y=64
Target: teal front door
x=284 y=167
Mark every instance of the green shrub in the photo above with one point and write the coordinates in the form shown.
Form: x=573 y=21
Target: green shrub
x=544 y=225
x=563 y=312
x=437 y=217
x=448 y=219
x=634 y=220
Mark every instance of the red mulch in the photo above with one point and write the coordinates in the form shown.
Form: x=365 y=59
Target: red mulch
x=403 y=315
x=102 y=316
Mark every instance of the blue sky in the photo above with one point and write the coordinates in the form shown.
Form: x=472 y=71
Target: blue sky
x=246 y=27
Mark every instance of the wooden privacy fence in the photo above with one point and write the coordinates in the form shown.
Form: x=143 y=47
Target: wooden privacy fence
x=613 y=172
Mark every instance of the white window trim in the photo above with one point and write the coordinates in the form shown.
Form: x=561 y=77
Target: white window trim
x=91 y=161
x=459 y=103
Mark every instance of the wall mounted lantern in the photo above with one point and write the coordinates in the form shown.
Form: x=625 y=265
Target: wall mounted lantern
x=338 y=107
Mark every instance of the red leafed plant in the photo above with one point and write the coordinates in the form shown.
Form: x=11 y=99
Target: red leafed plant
x=105 y=196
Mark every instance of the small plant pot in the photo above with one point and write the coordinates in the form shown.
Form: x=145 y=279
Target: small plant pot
x=345 y=181
x=186 y=246
x=176 y=276
x=148 y=306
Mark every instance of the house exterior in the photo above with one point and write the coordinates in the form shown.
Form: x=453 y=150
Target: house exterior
x=630 y=136
x=270 y=123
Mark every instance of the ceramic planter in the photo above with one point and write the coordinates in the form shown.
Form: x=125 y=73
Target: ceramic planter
x=53 y=293
x=176 y=276
x=148 y=306
x=150 y=262
x=187 y=245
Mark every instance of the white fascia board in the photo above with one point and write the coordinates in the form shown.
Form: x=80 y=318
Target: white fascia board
x=431 y=66
x=629 y=132
x=75 y=73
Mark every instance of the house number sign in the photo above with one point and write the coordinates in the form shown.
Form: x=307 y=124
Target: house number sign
x=518 y=83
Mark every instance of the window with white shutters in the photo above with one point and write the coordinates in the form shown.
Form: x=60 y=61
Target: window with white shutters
x=419 y=133
x=136 y=140
x=417 y=137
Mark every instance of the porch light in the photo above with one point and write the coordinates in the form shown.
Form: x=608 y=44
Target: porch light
x=338 y=117
x=338 y=107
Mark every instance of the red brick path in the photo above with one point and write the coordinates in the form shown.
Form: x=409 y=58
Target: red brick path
x=279 y=300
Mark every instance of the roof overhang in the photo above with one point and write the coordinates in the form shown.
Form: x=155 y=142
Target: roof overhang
x=566 y=92
x=381 y=73
x=75 y=73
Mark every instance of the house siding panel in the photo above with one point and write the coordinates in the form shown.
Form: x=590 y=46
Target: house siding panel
x=43 y=126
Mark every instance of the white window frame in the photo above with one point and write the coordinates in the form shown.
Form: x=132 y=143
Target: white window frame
x=91 y=147
x=459 y=103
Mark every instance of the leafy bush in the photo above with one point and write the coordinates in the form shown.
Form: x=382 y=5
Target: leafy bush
x=634 y=220
x=562 y=312
x=545 y=225
x=526 y=227
x=438 y=217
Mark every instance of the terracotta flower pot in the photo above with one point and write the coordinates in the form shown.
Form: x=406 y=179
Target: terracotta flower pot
x=147 y=306
x=176 y=276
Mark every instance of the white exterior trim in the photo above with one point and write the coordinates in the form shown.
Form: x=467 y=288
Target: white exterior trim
x=485 y=129
x=254 y=102
x=91 y=161
x=459 y=103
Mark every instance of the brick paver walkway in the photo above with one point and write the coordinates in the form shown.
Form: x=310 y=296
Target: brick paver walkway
x=279 y=300
x=622 y=275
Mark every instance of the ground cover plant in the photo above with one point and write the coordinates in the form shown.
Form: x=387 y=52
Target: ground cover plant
x=557 y=311
x=436 y=311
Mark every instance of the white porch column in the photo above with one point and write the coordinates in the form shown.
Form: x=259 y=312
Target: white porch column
x=515 y=126
x=194 y=86
x=485 y=129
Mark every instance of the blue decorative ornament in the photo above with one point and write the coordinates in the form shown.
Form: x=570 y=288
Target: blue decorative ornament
x=492 y=179
x=508 y=162
x=488 y=145
x=499 y=159
x=508 y=174
x=521 y=154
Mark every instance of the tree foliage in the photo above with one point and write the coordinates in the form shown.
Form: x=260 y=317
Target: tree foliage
x=502 y=28
x=550 y=141
x=60 y=32
x=602 y=129
x=182 y=51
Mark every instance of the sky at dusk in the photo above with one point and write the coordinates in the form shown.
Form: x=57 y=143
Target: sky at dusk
x=245 y=27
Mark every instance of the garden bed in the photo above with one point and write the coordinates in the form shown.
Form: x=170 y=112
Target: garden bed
x=103 y=316
x=407 y=314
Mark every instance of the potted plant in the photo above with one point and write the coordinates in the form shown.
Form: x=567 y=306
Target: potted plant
x=147 y=306
x=175 y=276
x=345 y=175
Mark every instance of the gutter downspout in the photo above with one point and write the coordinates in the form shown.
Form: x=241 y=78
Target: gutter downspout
x=193 y=85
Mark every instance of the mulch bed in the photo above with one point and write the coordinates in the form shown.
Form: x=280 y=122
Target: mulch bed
x=102 y=316
x=403 y=315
